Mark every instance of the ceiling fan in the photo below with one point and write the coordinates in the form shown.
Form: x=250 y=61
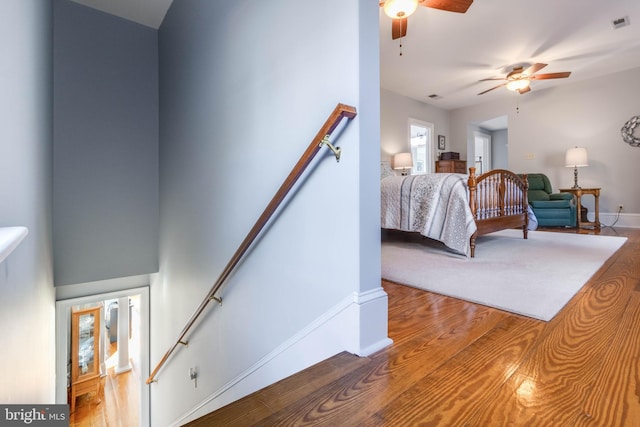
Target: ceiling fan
x=399 y=11
x=519 y=79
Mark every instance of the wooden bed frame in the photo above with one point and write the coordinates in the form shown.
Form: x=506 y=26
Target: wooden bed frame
x=498 y=200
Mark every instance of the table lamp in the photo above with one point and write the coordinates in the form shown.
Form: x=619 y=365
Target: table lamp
x=576 y=157
x=403 y=161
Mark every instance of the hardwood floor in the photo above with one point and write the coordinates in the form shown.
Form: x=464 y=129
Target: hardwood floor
x=118 y=403
x=455 y=363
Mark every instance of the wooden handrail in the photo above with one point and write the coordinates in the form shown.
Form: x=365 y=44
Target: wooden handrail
x=341 y=111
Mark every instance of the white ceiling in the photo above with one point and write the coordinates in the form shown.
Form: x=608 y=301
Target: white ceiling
x=446 y=53
x=145 y=12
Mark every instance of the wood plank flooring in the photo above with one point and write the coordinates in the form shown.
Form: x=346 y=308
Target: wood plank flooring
x=455 y=363
x=117 y=405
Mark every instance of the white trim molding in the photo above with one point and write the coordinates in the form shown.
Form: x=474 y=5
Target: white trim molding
x=623 y=220
x=320 y=340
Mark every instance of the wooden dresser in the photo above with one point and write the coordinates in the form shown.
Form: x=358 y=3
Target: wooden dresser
x=451 y=166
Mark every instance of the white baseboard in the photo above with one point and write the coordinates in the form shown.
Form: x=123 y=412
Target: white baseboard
x=358 y=324
x=624 y=220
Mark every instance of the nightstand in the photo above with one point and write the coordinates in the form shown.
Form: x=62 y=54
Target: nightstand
x=578 y=193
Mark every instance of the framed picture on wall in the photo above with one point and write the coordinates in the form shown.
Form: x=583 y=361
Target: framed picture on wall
x=441 y=143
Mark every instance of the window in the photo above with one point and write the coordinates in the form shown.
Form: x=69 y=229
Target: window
x=421 y=143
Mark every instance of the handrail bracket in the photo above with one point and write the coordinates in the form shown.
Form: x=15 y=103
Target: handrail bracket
x=216 y=299
x=336 y=150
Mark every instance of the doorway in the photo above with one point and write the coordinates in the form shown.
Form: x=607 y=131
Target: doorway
x=488 y=144
x=482 y=156
x=116 y=376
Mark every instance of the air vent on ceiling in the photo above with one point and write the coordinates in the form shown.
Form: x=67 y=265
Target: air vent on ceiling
x=620 y=22
x=435 y=96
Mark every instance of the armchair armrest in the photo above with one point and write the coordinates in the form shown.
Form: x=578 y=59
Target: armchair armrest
x=561 y=196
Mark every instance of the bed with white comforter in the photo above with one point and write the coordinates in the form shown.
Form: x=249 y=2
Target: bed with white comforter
x=434 y=205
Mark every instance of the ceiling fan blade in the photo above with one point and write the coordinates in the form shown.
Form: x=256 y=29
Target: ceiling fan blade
x=492 y=78
x=489 y=90
x=459 y=6
x=547 y=76
x=524 y=90
x=534 y=69
x=398 y=28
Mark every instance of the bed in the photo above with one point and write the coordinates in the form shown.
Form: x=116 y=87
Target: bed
x=454 y=208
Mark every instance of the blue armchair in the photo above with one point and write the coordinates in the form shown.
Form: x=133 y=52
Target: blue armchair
x=551 y=209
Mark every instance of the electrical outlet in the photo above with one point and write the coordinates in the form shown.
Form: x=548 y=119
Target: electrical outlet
x=620 y=207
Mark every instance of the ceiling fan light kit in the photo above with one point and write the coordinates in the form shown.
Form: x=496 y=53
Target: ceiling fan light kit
x=518 y=85
x=519 y=79
x=400 y=8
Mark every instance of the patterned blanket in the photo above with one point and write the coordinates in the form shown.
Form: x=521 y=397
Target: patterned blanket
x=434 y=205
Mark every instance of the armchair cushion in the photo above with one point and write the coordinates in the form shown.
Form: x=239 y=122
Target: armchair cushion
x=533 y=195
x=551 y=204
x=539 y=181
x=561 y=196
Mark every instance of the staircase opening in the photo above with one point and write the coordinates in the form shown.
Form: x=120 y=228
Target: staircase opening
x=123 y=354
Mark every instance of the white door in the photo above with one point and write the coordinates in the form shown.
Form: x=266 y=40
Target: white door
x=482 y=152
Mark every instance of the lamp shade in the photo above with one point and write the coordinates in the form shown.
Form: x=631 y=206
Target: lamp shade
x=576 y=157
x=400 y=8
x=402 y=161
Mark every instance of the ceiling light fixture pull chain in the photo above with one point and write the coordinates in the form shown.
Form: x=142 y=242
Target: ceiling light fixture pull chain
x=400 y=46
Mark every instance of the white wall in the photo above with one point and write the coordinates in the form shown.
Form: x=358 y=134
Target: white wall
x=27 y=303
x=395 y=111
x=243 y=91
x=586 y=113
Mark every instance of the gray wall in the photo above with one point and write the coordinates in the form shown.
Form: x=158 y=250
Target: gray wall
x=395 y=111
x=549 y=121
x=587 y=113
x=244 y=89
x=105 y=206
x=26 y=283
x=500 y=149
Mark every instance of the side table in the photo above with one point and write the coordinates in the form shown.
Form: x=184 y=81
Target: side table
x=579 y=192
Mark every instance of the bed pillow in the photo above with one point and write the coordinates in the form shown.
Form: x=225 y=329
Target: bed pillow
x=385 y=170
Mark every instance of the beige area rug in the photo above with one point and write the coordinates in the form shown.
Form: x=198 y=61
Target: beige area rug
x=534 y=277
